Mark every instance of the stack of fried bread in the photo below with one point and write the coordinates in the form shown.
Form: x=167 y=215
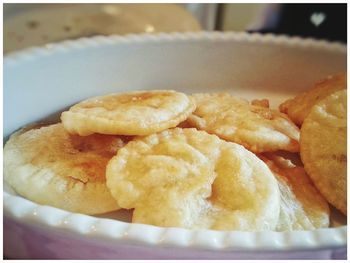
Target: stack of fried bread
x=200 y=161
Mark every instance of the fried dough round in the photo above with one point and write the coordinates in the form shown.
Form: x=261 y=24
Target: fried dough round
x=51 y=167
x=324 y=147
x=189 y=178
x=256 y=127
x=299 y=107
x=302 y=205
x=132 y=113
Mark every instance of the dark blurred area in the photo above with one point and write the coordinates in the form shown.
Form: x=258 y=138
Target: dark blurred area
x=320 y=21
x=28 y=25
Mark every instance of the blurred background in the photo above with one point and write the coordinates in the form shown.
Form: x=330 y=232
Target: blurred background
x=28 y=25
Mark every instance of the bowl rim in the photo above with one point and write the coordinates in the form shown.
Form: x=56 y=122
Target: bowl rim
x=101 y=40
x=26 y=211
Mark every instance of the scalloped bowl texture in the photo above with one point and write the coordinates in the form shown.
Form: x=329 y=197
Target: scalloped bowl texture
x=40 y=82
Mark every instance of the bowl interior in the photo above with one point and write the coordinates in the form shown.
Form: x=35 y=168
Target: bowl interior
x=41 y=83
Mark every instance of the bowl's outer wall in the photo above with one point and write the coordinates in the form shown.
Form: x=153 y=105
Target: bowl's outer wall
x=25 y=241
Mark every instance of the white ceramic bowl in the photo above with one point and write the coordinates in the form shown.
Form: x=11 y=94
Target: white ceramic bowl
x=40 y=82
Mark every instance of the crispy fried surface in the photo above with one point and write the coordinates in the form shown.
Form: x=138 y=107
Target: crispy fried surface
x=133 y=113
x=302 y=206
x=258 y=128
x=323 y=147
x=262 y=103
x=188 y=178
x=299 y=107
x=51 y=167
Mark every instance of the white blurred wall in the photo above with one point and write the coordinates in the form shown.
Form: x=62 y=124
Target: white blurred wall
x=237 y=17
